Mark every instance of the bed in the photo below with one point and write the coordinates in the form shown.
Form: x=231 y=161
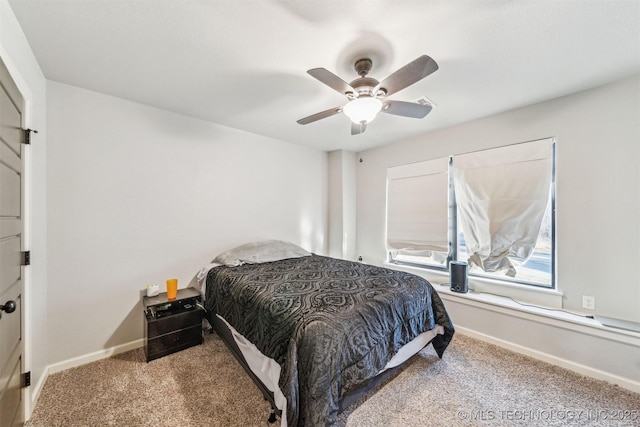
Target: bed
x=315 y=332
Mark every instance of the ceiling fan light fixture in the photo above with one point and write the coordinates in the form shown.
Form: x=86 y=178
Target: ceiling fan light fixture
x=362 y=109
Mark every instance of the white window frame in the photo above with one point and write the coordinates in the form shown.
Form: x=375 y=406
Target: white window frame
x=453 y=235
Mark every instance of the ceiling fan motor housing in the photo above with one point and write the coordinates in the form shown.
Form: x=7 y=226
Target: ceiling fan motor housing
x=364 y=85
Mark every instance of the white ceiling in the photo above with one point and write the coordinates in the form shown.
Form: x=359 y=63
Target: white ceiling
x=242 y=63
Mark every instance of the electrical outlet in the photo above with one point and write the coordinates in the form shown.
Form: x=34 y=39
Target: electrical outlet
x=588 y=302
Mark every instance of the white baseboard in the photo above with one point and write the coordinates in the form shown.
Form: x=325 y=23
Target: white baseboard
x=92 y=357
x=554 y=360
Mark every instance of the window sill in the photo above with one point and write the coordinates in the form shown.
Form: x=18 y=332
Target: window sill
x=526 y=294
x=515 y=306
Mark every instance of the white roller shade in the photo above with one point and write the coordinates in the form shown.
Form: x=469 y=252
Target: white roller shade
x=502 y=195
x=417 y=199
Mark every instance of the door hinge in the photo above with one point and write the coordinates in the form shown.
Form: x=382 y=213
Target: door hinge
x=26 y=258
x=27 y=135
x=26 y=379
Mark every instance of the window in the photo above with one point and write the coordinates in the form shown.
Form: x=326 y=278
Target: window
x=417 y=220
x=497 y=205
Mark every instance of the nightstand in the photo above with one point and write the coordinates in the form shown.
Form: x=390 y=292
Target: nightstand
x=171 y=326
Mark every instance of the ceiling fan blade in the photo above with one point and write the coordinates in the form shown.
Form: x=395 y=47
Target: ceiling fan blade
x=357 y=128
x=331 y=80
x=321 y=115
x=406 y=109
x=414 y=71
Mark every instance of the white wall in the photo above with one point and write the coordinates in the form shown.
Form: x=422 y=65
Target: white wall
x=21 y=63
x=598 y=227
x=598 y=187
x=138 y=195
x=342 y=204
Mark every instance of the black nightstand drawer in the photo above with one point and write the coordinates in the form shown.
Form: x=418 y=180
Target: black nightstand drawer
x=165 y=325
x=172 y=342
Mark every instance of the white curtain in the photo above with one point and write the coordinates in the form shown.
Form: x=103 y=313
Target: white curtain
x=502 y=195
x=417 y=197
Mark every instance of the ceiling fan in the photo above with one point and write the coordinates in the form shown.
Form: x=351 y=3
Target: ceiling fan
x=367 y=96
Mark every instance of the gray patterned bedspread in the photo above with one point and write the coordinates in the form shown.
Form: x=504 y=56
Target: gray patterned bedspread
x=331 y=324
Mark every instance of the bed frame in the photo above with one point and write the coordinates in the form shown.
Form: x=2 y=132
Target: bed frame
x=349 y=397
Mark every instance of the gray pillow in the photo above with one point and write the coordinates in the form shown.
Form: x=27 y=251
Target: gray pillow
x=263 y=251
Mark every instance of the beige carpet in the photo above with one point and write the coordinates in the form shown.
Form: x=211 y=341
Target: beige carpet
x=475 y=384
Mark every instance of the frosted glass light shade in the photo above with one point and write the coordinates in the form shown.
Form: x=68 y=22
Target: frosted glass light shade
x=363 y=109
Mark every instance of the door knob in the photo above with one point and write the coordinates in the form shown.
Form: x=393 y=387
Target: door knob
x=8 y=307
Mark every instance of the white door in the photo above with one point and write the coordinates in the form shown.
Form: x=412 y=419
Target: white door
x=11 y=230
